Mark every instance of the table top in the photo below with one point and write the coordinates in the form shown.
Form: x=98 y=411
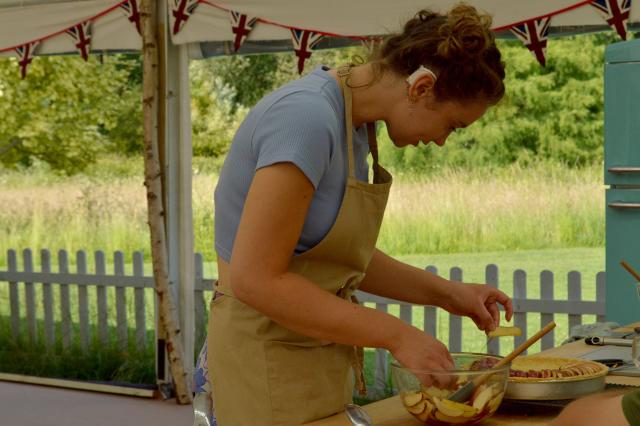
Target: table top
x=390 y=412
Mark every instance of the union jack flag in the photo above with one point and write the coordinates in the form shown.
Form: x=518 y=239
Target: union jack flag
x=130 y=8
x=372 y=43
x=304 y=41
x=25 y=56
x=533 y=35
x=241 y=26
x=81 y=35
x=615 y=12
x=181 y=11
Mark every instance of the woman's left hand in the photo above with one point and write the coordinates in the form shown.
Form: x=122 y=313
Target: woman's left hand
x=479 y=302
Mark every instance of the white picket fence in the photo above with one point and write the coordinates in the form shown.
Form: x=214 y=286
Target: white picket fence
x=24 y=307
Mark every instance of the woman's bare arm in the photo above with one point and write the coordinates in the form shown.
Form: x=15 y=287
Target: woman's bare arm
x=391 y=278
x=271 y=223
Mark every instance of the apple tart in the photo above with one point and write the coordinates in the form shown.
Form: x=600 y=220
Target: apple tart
x=537 y=368
x=528 y=369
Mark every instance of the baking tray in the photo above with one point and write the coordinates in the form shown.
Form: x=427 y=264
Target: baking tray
x=554 y=389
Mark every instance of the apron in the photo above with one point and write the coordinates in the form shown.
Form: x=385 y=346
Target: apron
x=265 y=374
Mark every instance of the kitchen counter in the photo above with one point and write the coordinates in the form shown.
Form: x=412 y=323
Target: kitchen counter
x=390 y=412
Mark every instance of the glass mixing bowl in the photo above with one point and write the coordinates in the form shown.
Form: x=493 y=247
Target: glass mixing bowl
x=428 y=402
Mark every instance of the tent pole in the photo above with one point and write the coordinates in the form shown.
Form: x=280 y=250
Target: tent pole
x=185 y=215
x=176 y=105
x=154 y=202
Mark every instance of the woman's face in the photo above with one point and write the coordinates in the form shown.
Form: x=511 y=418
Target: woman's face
x=428 y=120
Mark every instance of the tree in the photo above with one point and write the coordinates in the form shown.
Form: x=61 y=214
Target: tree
x=125 y=137
x=224 y=88
x=61 y=112
x=66 y=111
x=250 y=77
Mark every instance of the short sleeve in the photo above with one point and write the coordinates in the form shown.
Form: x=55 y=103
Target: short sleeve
x=299 y=128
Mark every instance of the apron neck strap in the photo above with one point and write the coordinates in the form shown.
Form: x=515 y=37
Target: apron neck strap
x=373 y=147
x=344 y=72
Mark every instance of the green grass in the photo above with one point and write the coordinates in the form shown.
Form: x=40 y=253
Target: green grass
x=588 y=261
x=513 y=208
x=100 y=362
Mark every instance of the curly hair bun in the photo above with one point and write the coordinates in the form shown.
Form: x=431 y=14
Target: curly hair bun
x=466 y=34
x=458 y=46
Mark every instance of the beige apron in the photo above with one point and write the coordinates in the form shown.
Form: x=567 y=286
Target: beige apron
x=265 y=374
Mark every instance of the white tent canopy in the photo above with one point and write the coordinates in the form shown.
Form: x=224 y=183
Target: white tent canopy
x=25 y=21
x=23 y=24
x=110 y=28
x=365 y=18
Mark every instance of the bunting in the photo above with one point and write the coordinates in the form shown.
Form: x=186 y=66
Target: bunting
x=532 y=32
x=241 y=26
x=304 y=41
x=25 y=56
x=81 y=35
x=130 y=8
x=533 y=35
x=616 y=13
x=181 y=12
x=372 y=43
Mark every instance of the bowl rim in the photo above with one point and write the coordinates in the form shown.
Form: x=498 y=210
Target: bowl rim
x=507 y=366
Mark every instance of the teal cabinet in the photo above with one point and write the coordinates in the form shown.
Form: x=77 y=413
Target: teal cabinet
x=622 y=243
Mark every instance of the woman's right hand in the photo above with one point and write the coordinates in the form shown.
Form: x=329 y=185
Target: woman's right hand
x=421 y=352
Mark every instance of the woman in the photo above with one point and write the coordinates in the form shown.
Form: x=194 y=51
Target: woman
x=297 y=222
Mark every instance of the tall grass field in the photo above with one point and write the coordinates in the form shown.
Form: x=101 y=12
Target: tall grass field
x=452 y=211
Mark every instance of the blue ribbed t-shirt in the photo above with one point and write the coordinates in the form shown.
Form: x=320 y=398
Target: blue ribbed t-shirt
x=300 y=123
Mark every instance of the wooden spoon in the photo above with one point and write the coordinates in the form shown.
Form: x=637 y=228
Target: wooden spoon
x=464 y=393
